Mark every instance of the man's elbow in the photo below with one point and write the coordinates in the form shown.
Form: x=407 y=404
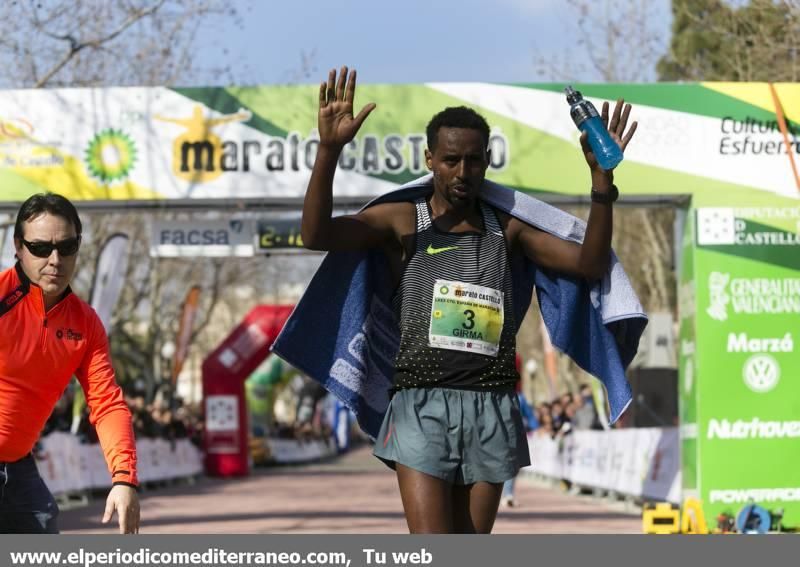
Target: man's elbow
x=313 y=239
x=593 y=271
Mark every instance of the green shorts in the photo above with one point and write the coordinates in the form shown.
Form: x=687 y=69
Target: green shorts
x=460 y=436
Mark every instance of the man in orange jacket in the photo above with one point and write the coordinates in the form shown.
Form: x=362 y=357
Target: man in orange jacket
x=47 y=335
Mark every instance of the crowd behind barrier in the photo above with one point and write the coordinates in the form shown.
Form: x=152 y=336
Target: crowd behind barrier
x=642 y=463
x=166 y=417
x=67 y=465
x=571 y=444
x=168 y=441
x=567 y=413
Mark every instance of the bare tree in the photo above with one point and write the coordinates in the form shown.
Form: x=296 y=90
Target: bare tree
x=616 y=41
x=99 y=43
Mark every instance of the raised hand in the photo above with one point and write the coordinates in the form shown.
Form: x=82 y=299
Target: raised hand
x=617 y=127
x=336 y=123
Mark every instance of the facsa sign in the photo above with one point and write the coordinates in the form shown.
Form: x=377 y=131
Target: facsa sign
x=219 y=238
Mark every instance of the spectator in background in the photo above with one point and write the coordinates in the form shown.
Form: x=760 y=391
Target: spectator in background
x=557 y=414
x=545 y=423
x=183 y=422
x=143 y=423
x=566 y=423
x=585 y=413
x=308 y=398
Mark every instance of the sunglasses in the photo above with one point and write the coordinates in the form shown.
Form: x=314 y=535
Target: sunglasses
x=68 y=247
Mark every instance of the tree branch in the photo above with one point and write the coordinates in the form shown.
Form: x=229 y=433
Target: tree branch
x=76 y=47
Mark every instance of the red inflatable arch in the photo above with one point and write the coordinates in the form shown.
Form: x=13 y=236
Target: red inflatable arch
x=224 y=373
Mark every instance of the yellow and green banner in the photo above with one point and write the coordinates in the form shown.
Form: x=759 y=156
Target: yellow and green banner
x=718 y=142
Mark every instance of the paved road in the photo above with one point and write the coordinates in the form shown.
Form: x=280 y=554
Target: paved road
x=353 y=494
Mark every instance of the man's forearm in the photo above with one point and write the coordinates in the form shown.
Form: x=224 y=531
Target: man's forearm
x=115 y=433
x=596 y=249
x=318 y=203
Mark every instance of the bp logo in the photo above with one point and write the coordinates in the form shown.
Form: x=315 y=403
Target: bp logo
x=761 y=373
x=111 y=155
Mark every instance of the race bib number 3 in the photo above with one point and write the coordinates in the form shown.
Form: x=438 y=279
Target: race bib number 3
x=466 y=317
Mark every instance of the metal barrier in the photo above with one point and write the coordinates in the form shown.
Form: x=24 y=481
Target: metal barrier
x=636 y=463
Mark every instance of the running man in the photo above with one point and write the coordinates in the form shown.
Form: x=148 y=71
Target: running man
x=453 y=431
x=49 y=336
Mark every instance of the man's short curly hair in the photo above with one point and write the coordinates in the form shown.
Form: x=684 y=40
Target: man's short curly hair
x=456 y=117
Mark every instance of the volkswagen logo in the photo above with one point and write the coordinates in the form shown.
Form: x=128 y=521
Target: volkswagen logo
x=761 y=373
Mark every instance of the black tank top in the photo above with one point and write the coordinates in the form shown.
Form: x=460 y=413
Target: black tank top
x=452 y=331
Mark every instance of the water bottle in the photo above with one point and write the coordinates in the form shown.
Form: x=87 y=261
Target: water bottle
x=587 y=119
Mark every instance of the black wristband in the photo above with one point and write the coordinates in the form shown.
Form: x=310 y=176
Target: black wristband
x=605 y=198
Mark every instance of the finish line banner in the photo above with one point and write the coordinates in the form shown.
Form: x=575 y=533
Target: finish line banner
x=392 y=551
x=719 y=142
